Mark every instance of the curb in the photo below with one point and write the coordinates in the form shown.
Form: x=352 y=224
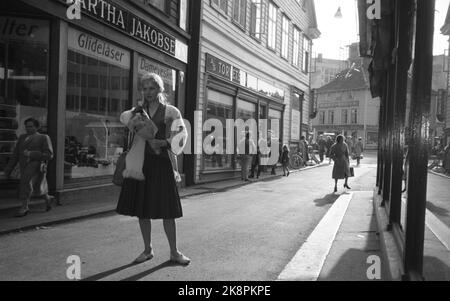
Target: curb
x=106 y=211
x=389 y=247
x=438 y=174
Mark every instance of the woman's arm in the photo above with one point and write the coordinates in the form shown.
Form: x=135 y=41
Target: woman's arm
x=13 y=160
x=177 y=132
x=46 y=152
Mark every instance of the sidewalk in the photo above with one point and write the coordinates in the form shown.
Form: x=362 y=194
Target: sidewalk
x=436 y=261
x=80 y=208
x=343 y=246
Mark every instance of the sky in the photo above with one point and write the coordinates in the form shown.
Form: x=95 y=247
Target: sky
x=337 y=33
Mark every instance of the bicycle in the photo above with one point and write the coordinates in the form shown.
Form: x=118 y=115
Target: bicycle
x=296 y=161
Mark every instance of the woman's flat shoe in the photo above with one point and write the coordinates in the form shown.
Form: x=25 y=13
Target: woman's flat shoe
x=22 y=213
x=180 y=259
x=335 y=189
x=48 y=204
x=346 y=186
x=143 y=258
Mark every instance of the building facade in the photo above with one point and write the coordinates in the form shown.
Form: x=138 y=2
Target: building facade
x=325 y=70
x=77 y=70
x=445 y=30
x=255 y=65
x=345 y=106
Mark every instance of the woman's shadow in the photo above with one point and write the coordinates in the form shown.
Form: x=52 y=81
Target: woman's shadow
x=329 y=199
x=137 y=277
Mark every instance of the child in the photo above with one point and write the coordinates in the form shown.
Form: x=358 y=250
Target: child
x=285 y=160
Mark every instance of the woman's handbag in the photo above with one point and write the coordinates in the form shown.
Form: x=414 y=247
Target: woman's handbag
x=120 y=167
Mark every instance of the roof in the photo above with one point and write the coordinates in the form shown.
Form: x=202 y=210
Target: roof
x=445 y=30
x=349 y=79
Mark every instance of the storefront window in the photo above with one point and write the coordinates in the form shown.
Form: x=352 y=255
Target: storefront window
x=97 y=93
x=24 y=55
x=169 y=76
x=220 y=107
x=372 y=138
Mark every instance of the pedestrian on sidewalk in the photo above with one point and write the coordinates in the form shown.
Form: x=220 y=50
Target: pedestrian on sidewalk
x=322 y=147
x=256 y=165
x=304 y=150
x=359 y=150
x=33 y=151
x=246 y=149
x=340 y=155
x=285 y=161
x=329 y=144
x=150 y=191
x=446 y=163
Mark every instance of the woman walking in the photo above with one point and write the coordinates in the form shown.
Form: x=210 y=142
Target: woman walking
x=285 y=161
x=359 y=149
x=32 y=152
x=339 y=154
x=149 y=190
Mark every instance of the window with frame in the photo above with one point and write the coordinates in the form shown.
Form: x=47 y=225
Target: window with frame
x=344 y=116
x=221 y=5
x=220 y=107
x=296 y=50
x=272 y=26
x=306 y=54
x=240 y=12
x=322 y=117
x=354 y=116
x=330 y=117
x=256 y=19
x=97 y=93
x=285 y=37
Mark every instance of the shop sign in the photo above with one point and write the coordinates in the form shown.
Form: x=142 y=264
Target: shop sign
x=24 y=29
x=295 y=127
x=218 y=67
x=347 y=104
x=231 y=73
x=147 y=66
x=99 y=49
x=127 y=22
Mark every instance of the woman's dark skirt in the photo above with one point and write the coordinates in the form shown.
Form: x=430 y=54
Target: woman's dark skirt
x=155 y=198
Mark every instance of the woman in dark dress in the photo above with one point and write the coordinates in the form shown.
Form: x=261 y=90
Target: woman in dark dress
x=149 y=190
x=340 y=155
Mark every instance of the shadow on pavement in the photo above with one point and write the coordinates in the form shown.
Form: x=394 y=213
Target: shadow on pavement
x=435 y=269
x=327 y=200
x=103 y=275
x=437 y=210
x=151 y=271
x=350 y=257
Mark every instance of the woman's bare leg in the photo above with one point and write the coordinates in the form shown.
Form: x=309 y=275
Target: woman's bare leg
x=171 y=232
x=146 y=230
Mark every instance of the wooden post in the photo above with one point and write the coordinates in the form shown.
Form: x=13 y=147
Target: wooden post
x=404 y=11
x=418 y=149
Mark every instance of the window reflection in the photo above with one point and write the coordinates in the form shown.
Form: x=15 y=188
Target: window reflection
x=97 y=93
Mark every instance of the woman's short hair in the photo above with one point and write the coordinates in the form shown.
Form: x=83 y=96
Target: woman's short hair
x=340 y=139
x=34 y=121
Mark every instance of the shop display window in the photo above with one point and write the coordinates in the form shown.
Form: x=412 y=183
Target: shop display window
x=220 y=107
x=24 y=60
x=97 y=93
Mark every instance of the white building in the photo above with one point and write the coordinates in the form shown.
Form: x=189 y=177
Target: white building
x=255 y=64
